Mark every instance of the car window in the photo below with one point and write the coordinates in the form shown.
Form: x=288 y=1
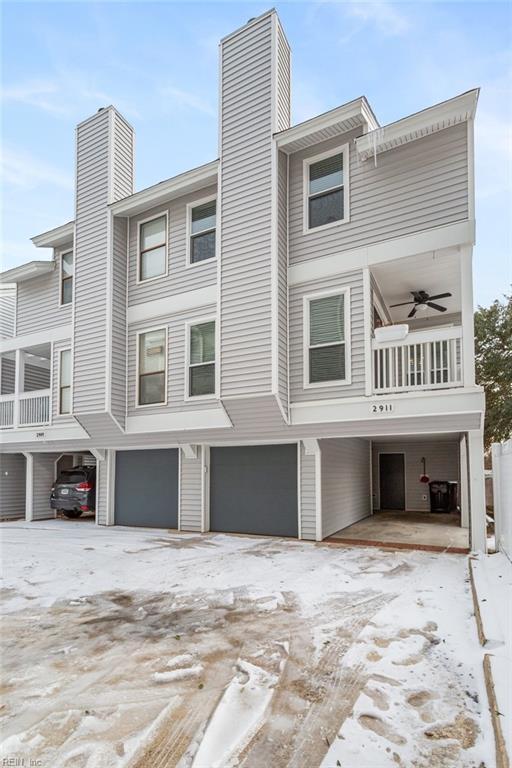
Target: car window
x=71 y=476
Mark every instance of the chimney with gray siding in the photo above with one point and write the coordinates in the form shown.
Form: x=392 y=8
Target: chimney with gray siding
x=104 y=174
x=254 y=104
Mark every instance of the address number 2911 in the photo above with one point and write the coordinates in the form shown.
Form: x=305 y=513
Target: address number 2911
x=380 y=408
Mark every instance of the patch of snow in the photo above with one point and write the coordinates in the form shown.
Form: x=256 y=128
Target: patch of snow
x=238 y=716
x=180 y=661
x=178 y=674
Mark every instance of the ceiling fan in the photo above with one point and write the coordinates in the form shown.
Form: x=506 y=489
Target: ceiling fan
x=422 y=300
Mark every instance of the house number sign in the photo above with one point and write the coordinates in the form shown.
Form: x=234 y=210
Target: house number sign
x=381 y=408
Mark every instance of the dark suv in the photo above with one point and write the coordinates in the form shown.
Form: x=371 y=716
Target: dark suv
x=74 y=491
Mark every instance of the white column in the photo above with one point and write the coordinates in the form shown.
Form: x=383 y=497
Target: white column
x=19 y=383
x=468 y=326
x=496 y=491
x=205 y=488
x=464 y=487
x=367 y=322
x=29 y=487
x=477 y=490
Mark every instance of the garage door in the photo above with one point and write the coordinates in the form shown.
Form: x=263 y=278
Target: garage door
x=253 y=489
x=147 y=488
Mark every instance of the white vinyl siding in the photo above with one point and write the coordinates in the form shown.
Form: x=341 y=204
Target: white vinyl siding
x=38 y=306
x=412 y=188
x=346 y=492
x=12 y=497
x=190 y=492
x=179 y=278
x=308 y=497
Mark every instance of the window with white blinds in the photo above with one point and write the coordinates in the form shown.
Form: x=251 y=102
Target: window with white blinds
x=325 y=189
x=152 y=367
x=201 y=359
x=65 y=381
x=327 y=333
x=153 y=248
x=202 y=226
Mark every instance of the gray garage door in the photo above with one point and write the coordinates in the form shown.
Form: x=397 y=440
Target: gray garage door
x=147 y=488
x=253 y=489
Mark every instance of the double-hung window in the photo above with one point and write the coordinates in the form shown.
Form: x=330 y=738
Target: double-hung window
x=153 y=248
x=327 y=353
x=152 y=367
x=202 y=225
x=326 y=189
x=201 y=359
x=66 y=277
x=65 y=381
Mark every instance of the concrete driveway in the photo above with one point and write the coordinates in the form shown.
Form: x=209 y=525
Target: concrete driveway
x=131 y=647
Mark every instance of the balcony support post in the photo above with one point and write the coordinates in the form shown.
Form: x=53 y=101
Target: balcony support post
x=477 y=490
x=468 y=326
x=19 y=385
x=29 y=487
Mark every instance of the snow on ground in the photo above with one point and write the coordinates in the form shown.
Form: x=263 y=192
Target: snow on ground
x=131 y=647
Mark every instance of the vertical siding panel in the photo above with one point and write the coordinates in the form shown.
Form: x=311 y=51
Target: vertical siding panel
x=12 y=486
x=308 y=509
x=38 y=303
x=119 y=327
x=43 y=477
x=7 y=310
x=104 y=174
x=250 y=83
x=190 y=492
x=345 y=483
x=282 y=279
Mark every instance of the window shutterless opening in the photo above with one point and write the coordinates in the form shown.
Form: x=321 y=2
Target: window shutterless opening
x=152 y=248
x=65 y=382
x=66 y=277
x=202 y=231
x=152 y=367
x=326 y=189
x=327 y=334
x=201 y=359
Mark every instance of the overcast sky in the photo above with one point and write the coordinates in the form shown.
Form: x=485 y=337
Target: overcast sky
x=157 y=62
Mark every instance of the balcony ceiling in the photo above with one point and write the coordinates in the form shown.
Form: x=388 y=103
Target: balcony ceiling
x=434 y=272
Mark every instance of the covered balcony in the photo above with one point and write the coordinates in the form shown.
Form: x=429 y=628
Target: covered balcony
x=419 y=344
x=25 y=387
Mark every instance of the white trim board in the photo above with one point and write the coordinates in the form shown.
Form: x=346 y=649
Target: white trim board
x=206 y=418
x=61 y=333
x=172 y=304
x=434 y=239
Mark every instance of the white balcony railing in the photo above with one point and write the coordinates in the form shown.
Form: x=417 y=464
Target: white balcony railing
x=27 y=409
x=429 y=359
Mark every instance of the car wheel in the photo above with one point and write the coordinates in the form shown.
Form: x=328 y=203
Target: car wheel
x=72 y=513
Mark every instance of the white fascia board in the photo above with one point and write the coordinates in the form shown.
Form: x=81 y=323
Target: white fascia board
x=167 y=190
x=171 y=305
x=55 y=237
x=43 y=435
x=448 y=236
x=416 y=126
x=60 y=333
x=179 y=421
x=359 y=108
x=27 y=271
x=458 y=401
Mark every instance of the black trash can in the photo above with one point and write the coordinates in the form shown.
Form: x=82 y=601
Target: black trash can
x=443 y=495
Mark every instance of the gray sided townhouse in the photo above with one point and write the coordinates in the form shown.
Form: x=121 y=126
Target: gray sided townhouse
x=213 y=340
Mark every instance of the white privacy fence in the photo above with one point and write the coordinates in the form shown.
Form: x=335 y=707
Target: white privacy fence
x=502 y=492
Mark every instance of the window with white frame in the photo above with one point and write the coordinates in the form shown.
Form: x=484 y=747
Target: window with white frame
x=202 y=225
x=201 y=366
x=326 y=198
x=153 y=248
x=327 y=358
x=152 y=367
x=66 y=277
x=65 y=381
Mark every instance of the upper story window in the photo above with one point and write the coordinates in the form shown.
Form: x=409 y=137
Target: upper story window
x=152 y=248
x=202 y=223
x=201 y=359
x=327 y=339
x=326 y=189
x=65 y=381
x=152 y=367
x=66 y=277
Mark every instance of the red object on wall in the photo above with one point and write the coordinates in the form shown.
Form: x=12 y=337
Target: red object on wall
x=424 y=479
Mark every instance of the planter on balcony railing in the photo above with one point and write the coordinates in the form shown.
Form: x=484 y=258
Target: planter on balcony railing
x=27 y=409
x=430 y=359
